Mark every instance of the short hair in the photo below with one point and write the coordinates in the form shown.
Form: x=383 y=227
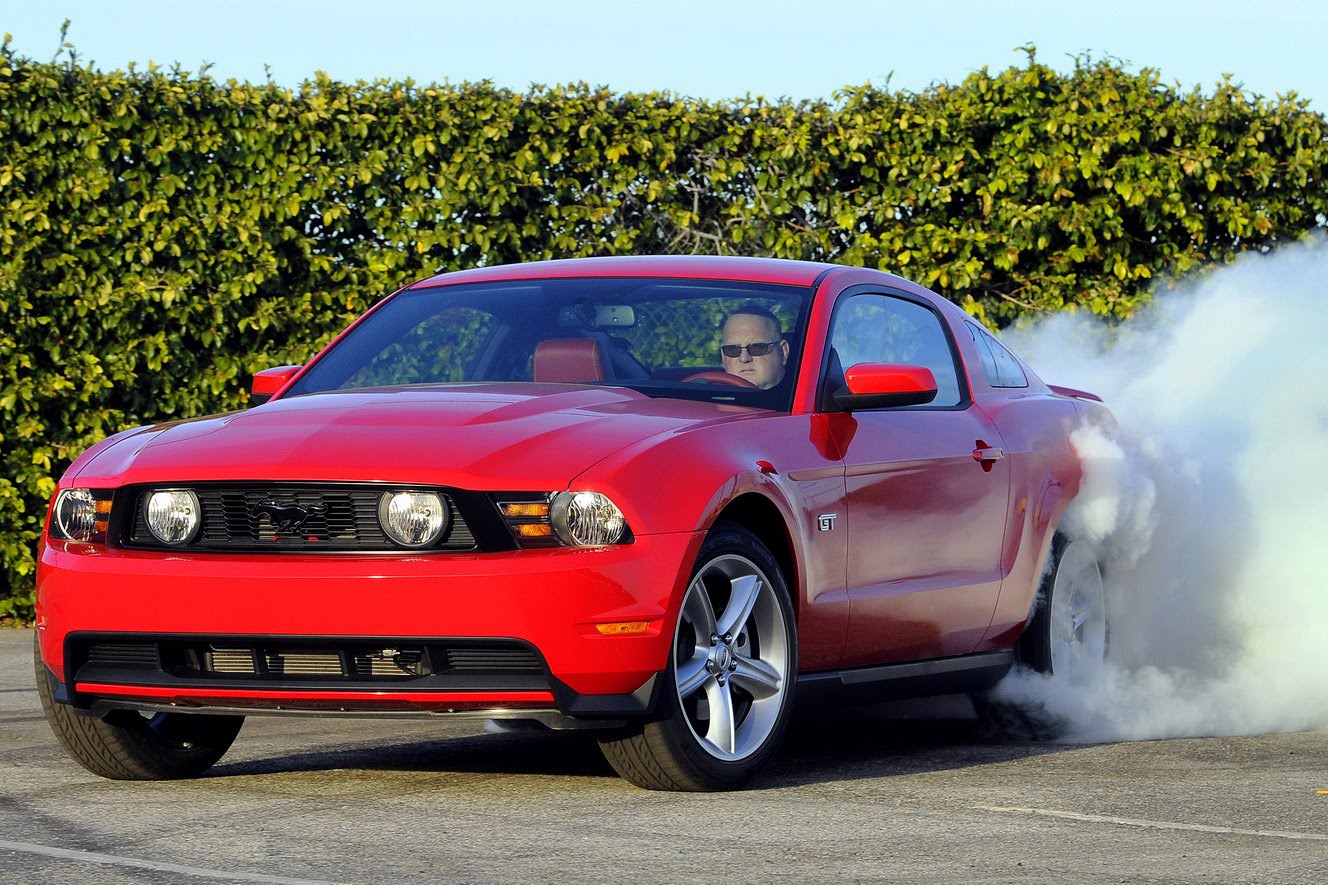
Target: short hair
x=751 y=308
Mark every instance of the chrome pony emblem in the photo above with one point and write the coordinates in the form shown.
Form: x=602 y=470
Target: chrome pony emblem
x=289 y=518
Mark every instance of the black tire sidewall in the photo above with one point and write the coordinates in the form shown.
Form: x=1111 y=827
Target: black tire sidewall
x=1034 y=647
x=123 y=745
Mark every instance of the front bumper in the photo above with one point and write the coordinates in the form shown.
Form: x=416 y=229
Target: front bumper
x=547 y=601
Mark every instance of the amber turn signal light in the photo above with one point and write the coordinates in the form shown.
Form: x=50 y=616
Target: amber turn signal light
x=623 y=628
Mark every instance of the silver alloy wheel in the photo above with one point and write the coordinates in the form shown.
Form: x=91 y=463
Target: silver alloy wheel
x=732 y=668
x=1078 y=617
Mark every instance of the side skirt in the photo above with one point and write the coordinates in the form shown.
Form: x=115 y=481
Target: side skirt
x=891 y=682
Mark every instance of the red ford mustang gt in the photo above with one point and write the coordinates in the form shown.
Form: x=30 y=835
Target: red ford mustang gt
x=656 y=498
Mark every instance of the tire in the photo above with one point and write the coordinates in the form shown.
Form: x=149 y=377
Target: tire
x=126 y=745
x=1066 y=639
x=730 y=679
x=1067 y=636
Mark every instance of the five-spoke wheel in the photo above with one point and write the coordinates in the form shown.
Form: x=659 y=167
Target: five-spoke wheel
x=732 y=671
x=732 y=662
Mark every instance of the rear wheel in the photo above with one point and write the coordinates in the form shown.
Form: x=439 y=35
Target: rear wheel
x=125 y=745
x=731 y=675
x=1067 y=636
x=1066 y=639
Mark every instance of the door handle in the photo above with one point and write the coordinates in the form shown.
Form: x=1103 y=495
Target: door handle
x=987 y=455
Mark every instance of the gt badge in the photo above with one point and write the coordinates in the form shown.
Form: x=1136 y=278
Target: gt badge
x=826 y=521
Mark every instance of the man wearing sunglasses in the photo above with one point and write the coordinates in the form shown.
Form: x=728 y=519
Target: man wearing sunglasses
x=754 y=347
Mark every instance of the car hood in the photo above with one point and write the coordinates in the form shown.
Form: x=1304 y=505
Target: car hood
x=482 y=436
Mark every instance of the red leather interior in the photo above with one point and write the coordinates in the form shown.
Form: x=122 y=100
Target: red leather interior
x=569 y=360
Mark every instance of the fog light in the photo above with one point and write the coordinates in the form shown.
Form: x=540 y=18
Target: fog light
x=173 y=515
x=587 y=519
x=413 y=519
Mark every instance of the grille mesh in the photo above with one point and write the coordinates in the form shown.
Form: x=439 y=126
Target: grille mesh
x=492 y=660
x=230 y=660
x=123 y=654
x=308 y=663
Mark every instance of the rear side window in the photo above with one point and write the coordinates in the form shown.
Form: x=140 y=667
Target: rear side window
x=998 y=364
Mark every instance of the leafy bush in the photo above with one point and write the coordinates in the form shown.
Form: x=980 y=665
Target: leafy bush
x=164 y=235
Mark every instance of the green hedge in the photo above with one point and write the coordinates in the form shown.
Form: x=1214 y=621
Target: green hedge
x=164 y=235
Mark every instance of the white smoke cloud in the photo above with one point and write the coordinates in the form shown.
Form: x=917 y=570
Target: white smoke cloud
x=1209 y=504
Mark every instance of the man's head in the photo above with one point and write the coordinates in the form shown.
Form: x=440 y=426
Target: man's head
x=752 y=327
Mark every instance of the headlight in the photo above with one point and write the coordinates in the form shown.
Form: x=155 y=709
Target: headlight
x=81 y=515
x=570 y=519
x=586 y=519
x=413 y=519
x=173 y=515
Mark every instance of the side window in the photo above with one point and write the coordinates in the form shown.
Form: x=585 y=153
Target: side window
x=874 y=328
x=998 y=364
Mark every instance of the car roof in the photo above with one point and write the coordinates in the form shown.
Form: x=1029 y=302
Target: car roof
x=702 y=267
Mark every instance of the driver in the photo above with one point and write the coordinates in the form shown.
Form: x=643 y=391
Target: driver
x=753 y=346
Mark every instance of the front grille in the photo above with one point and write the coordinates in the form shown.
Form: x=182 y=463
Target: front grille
x=306 y=518
x=328 y=662
x=240 y=662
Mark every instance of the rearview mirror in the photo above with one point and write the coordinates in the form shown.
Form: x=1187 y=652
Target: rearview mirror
x=885 y=385
x=269 y=381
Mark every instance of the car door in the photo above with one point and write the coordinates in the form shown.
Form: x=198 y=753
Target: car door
x=925 y=518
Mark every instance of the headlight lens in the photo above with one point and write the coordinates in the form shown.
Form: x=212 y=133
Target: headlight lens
x=80 y=515
x=413 y=519
x=586 y=519
x=173 y=515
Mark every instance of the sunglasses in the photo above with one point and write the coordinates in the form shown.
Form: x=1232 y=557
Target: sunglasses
x=760 y=348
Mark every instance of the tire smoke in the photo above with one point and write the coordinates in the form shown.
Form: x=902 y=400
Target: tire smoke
x=1208 y=505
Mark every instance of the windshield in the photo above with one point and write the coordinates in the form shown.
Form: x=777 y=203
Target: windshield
x=661 y=337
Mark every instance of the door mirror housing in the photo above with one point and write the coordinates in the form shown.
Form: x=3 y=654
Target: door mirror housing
x=885 y=385
x=269 y=381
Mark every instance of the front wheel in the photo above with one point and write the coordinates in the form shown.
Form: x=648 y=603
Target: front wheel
x=125 y=745
x=731 y=675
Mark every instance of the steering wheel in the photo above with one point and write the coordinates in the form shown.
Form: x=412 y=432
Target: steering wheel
x=719 y=378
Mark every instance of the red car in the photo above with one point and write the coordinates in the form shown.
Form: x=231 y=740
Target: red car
x=656 y=498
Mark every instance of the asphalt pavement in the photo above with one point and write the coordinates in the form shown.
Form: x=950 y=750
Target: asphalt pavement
x=900 y=794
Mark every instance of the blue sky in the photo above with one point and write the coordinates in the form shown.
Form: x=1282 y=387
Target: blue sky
x=702 y=49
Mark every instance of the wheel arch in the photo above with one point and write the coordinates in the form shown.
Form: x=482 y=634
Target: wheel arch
x=760 y=516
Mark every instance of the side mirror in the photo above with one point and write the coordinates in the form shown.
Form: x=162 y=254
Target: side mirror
x=885 y=385
x=269 y=381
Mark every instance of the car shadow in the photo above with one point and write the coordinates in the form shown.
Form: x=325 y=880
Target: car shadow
x=537 y=751
x=856 y=743
x=899 y=738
